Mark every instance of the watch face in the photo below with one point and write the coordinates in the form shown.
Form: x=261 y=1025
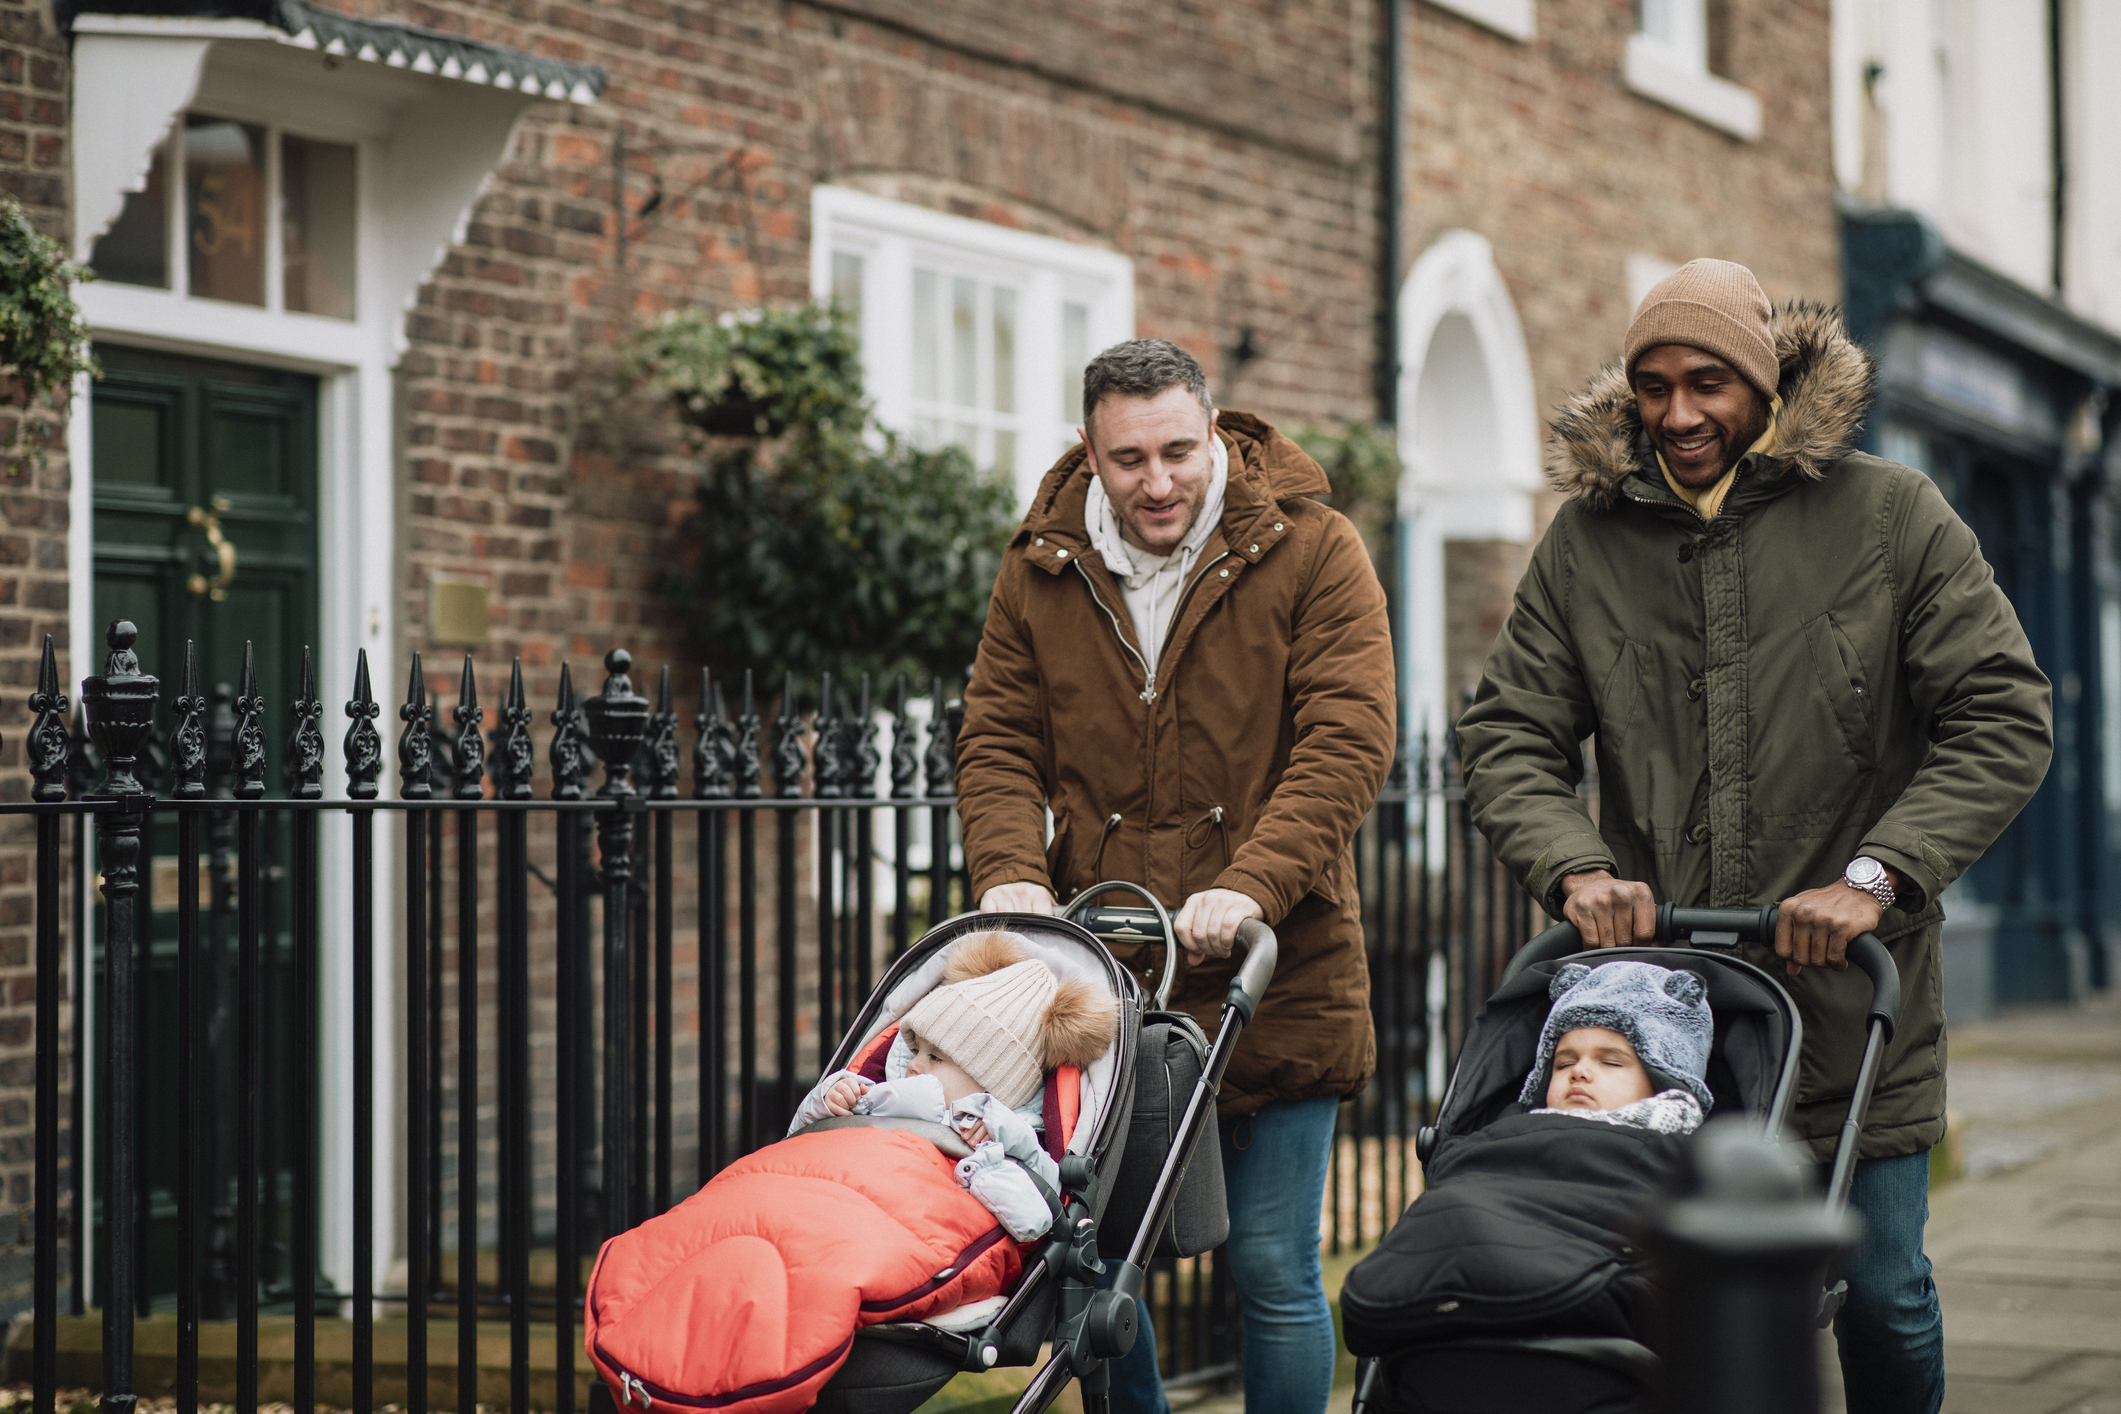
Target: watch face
x=1863 y=871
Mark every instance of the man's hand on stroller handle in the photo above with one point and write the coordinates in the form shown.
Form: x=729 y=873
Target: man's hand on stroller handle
x=1815 y=928
x=1207 y=924
x=1023 y=897
x=1610 y=912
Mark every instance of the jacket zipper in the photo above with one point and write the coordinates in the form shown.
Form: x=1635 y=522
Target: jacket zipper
x=1148 y=693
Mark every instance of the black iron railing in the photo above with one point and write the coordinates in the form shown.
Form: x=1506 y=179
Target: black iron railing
x=538 y=1092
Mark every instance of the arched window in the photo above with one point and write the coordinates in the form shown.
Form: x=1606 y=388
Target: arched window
x=1468 y=432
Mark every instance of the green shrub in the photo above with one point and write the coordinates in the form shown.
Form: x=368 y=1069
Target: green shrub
x=1362 y=462
x=818 y=541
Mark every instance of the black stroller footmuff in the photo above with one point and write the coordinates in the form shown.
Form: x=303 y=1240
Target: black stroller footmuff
x=1515 y=1234
x=1515 y=1281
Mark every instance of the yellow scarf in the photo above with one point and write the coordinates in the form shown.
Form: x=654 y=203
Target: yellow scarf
x=1708 y=500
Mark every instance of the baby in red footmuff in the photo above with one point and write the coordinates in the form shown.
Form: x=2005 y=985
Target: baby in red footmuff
x=746 y=1296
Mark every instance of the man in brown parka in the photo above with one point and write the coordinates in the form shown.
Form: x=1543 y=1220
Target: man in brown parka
x=1806 y=689
x=1187 y=661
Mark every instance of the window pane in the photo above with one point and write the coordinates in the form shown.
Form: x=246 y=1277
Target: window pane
x=224 y=187
x=966 y=436
x=1004 y=349
x=964 y=343
x=1075 y=356
x=847 y=285
x=317 y=225
x=135 y=250
x=927 y=339
x=1005 y=453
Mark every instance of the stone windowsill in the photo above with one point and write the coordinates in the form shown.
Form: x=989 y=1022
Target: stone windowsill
x=1655 y=73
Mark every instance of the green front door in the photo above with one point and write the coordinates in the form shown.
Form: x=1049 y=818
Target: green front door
x=205 y=529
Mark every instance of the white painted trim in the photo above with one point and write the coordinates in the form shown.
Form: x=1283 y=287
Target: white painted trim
x=136 y=87
x=1653 y=71
x=1457 y=277
x=891 y=235
x=1512 y=19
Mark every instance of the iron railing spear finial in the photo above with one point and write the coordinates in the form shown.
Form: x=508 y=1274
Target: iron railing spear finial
x=416 y=743
x=364 y=745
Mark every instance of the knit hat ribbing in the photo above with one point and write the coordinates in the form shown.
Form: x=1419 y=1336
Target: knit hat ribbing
x=1713 y=305
x=1663 y=1011
x=990 y=1027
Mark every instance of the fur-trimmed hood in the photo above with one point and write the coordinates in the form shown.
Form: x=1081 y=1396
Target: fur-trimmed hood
x=1827 y=384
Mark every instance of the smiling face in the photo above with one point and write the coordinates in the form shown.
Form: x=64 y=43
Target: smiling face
x=1153 y=456
x=1700 y=414
x=927 y=1060
x=1596 y=1069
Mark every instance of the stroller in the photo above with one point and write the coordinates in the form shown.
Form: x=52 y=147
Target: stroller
x=1411 y=1359
x=1131 y=1126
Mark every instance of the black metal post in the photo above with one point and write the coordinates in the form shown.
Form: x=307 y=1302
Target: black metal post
x=747 y=890
x=47 y=748
x=120 y=706
x=713 y=775
x=305 y=771
x=248 y=768
x=469 y=783
x=618 y=720
x=363 y=749
x=188 y=758
x=661 y=756
x=941 y=764
x=416 y=782
x=787 y=784
x=514 y=759
x=570 y=1039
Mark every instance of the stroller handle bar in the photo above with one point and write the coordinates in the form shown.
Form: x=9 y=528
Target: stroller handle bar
x=1726 y=927
x=1255 y=941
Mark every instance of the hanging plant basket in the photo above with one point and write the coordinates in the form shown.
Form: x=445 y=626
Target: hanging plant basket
x=753 y=375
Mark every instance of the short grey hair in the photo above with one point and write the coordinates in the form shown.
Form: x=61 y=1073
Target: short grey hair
x=1142 y=368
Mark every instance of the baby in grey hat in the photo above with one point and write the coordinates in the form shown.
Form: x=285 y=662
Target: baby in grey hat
x=1626 y=1043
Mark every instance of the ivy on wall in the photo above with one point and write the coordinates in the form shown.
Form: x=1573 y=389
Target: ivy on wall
x=43 y=343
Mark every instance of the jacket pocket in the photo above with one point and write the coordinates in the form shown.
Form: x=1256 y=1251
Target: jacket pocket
x=1843 y=679
x=1620 y=694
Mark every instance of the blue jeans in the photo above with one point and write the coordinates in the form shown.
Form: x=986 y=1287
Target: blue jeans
x=1891 y=1332
x=1274 y=1172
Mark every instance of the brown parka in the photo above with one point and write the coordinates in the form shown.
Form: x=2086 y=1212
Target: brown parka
x=1246 y=764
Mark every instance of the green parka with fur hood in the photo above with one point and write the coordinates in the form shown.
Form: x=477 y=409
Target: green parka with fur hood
x=1826 y=669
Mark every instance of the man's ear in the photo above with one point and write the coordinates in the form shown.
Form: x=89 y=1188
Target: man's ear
x=1089 y=448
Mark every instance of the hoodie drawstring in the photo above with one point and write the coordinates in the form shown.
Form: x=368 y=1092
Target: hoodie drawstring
x=1196 y=836
x=1097 y=865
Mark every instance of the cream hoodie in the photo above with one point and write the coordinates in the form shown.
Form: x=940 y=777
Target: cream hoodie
x=1155 y=583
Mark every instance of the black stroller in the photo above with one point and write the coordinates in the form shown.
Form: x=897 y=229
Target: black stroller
x=1411 y=1359
x=1126 y=1171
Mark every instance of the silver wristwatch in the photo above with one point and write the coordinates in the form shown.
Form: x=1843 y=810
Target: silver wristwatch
x=1868 y=874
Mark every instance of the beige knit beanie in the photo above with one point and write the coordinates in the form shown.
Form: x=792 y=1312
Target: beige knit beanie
x=1713 y=305
x=991 y=1027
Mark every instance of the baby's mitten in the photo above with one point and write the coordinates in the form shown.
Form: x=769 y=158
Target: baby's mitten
x=915 y=1097
x=1005 y=1190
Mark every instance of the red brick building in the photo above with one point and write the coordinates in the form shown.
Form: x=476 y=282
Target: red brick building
x=365 y=273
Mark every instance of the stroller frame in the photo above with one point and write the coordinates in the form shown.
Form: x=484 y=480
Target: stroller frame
x=1713 y=934
x=1094 y=1323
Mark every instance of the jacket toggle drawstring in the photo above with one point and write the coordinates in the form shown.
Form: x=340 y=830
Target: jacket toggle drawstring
x=1197 y=835
x=1097 y=864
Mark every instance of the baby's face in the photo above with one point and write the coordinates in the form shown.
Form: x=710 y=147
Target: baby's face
x=1596 y=1069
x=927 y=1060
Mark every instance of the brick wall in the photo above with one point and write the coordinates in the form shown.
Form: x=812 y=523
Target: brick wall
x=1541 y=148
x=33 y=590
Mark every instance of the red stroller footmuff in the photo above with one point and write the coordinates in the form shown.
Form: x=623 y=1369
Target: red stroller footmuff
x=746 y=1296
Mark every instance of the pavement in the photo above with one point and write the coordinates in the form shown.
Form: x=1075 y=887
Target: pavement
x=2026 y=1240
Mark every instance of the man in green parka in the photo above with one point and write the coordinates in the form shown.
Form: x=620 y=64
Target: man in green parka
x=1805 y=687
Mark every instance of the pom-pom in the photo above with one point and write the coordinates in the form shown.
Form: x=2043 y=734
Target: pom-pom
x=982 y=953
x=1078 y=1024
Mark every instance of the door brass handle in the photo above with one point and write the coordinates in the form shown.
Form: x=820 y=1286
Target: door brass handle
x=216 y=588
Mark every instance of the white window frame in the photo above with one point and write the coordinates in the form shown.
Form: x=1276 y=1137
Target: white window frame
x=177 y=213
x=1512 y=19
x=1670 y=65
x=893 y=237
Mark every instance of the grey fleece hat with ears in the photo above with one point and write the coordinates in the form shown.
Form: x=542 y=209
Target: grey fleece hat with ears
x=1661 y=1010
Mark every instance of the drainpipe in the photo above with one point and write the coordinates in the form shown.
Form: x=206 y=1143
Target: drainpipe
x=2058 y=149
x=1390 y=119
